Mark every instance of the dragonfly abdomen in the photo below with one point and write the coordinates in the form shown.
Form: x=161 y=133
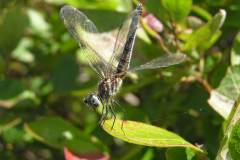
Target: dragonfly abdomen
x=126 y=55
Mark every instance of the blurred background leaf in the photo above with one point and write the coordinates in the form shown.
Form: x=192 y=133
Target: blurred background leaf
x=175 y=9
x=10 y=89
x=61 y=135
x=9 y=39
x=116 y=5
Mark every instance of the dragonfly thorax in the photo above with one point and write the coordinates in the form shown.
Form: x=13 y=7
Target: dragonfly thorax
x=108 y=87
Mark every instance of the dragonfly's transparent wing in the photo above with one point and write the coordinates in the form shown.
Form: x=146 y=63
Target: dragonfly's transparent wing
x=85 y=32
x=122 y=37
x=163 y=61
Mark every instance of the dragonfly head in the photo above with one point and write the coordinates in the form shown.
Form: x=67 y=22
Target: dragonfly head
x=92 y=101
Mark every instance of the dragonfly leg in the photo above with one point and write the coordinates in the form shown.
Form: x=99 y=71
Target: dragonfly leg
x=106 y=111
x=113 y=114
x=119 y=106
x=114 y=101
x=111 y=108
x=102 y=115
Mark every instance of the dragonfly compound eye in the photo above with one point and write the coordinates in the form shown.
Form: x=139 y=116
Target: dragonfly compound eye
x=92 y=101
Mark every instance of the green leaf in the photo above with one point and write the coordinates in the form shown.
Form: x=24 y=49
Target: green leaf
x=233 y=17
x=213 y=39
x=201 y=12
x=6 y=3
x=234 y=142
x=230 y=138
x=149 y=154
x=144 y=134
x=178 y=10
x=156 y=8
x=10 y=88
x=38 y=23
x=220 y=103
x=56 y=2
x=65 y=72
x=8 y=121
x=142 y=34
x=102 y=22
x=14 y=135
x=206 y=32
x=223 y=98
x=235 y=52
x=116 y=5
x=229 y=86
x=22 y=53
x=2 y=65
x=58 y=133
x=10 y=37
x=180 y=153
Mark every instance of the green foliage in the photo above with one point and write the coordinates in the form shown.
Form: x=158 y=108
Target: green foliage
x=10 y=88
x=116 y=5
x=57 y=133
x=229 y=85
x=233 y=143
x=162 y=114
x=65 y=75
x=175 y=9
x=180 y=153
x=13 y=18
x=205 y=34
x=235 y=59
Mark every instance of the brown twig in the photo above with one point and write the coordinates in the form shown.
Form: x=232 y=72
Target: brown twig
x=175 y=35
x=199 y=79
x=161 y=42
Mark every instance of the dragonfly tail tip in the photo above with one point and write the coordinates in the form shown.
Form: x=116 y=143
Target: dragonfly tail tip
x=139 y=8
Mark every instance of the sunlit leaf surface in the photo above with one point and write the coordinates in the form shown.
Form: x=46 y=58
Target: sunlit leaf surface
x=229 y=86
x=235 y=52
x=144 y=134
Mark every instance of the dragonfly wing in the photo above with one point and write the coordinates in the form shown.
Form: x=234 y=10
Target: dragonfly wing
x=86 y=34
x=160 y=62
x=122 y=37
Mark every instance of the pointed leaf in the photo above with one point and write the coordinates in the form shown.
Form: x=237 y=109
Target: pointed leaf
x=144 y=134
x=235 y=52
x=206 y=32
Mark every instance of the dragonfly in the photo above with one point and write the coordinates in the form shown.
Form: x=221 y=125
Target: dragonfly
x=110 y=59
